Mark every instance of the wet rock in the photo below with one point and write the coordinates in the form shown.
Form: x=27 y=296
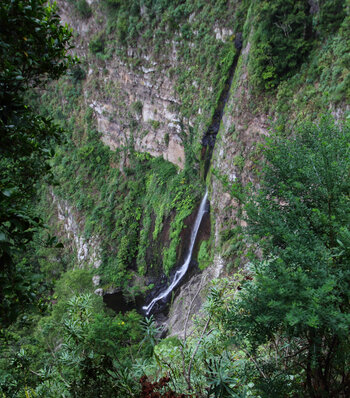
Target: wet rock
x=238 y=41
x=115 y=300
x=99 y=292
x=96 y=280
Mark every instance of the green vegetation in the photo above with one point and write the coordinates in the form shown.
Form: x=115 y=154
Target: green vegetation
x=97 y=43
x=286 y=32
x=83 y=9
x=162 y=28
x=33 y=50
x=281 y=41
x=119 y=208
x=296 y=300
x=330 y=16
x=204 y=255
x=78 y=350
x=277 y=327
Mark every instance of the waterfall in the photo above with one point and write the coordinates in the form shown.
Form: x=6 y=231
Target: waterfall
x=208 y=142
x=183 y=269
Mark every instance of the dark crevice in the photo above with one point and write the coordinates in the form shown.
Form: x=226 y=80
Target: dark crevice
x=209 y=137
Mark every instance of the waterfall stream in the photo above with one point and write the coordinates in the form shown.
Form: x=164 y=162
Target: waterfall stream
x=179 y=274
x=208 y=142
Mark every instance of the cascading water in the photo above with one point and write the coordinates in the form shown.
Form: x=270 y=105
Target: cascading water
x=179 y=274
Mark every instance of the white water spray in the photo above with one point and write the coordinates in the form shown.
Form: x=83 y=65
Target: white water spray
x=183 y=269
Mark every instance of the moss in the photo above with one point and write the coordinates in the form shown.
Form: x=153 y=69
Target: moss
x=204 y=257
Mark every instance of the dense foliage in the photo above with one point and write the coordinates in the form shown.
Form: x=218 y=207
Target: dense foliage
x=281 y=40
x=79 y=351
x=33 y=50
x=298 y=300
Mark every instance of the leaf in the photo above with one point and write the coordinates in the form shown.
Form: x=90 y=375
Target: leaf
x=7 y=192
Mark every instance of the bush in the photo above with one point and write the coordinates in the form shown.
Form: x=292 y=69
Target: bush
x=83 y=9
x=77 y=73
x=97 y=44
x=137 y=107
x=281 y=41
x=330 y=16
x=203 y=255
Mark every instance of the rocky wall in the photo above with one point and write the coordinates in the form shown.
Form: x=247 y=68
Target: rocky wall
x=131 y=105
x=88 y=252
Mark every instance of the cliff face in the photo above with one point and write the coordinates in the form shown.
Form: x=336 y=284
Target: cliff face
x=160 y=102
x=130 y=103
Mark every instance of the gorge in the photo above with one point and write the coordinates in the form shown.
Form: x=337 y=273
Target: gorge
x=174 y=201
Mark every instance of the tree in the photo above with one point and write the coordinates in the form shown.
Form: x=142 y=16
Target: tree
x=33 y=51
x=79 y=350
x=297 y=303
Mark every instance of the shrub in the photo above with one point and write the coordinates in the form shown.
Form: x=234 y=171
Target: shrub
x=281 y=41
x=77 y=73
x=83 y=9
x=97 y=44
x=137 y=107
x=203 y=255
x=330 y=15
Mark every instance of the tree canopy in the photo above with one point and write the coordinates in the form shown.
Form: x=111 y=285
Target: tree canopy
x=299 y=293
x=33 y=51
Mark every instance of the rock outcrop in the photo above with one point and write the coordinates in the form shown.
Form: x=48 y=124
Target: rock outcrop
x=88 y=252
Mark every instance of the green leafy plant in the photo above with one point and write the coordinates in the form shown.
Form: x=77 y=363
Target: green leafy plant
x=203 y=255
x=97 y=43
x=281 y=41
x=33 y=51
x=83 y=8
x=298 y=294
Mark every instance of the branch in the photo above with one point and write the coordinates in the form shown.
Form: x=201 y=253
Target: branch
x=190 y=307
x=184 y=366
x=174 y=378
x=296 y=353
x=195 y=352
x=35 y=373
x=255 y=363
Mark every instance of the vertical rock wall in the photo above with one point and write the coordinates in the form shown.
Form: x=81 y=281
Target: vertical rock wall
x=136 y=103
